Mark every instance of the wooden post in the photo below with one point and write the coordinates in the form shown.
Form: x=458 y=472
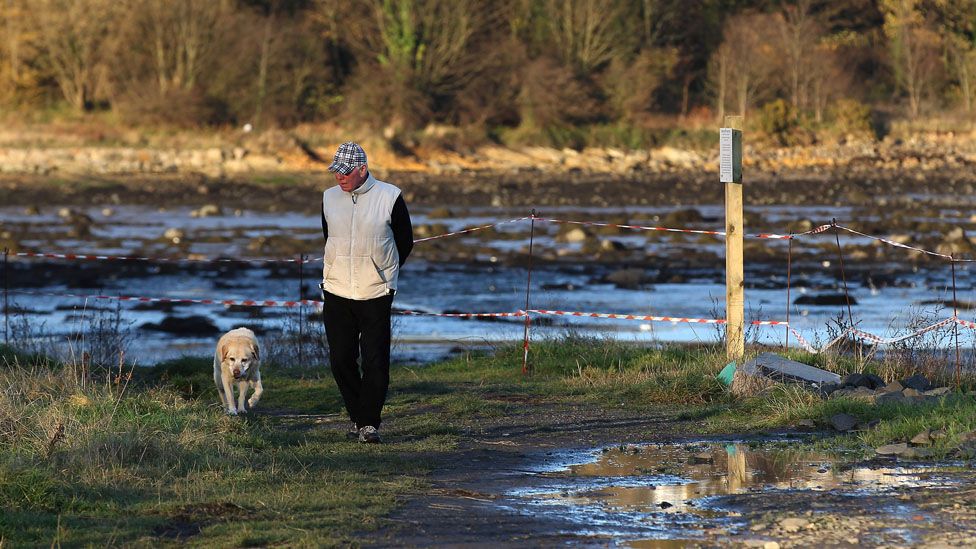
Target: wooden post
x=730 y=173
x=6 y=299
x=528 y=285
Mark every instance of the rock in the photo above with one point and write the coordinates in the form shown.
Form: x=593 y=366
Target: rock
x=193 y=325
x=207 y=210
x=608 y=245
x=174 y=235
x=911 y=393
x=825 y=299
x=893 y=397
x=922 y=439
x=574 y=235
x=628 y=279
x=873 y=382
x=918 y=382
x=440 y=213
x=806 y=424
x=701 y=458
x=938 y=391
x=793 y=524
x=893 y=387
x=870 y=381
x=843 y=422
x=899 y=449
x=665 y=505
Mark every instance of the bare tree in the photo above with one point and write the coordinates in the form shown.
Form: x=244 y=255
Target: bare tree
x=962 y=63
x=744 y=65
x=17 y=49
x=420 y=52
x=799 y=34
x=588 y=34
x=73 y=35
x=915 y=50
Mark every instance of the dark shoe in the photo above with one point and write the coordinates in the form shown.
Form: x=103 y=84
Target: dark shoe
x=353 y=433
x=369 y=435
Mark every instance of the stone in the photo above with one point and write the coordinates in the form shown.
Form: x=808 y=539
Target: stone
x=440 y=213
x=918 y=382
x=701 y=458
x=843 y=422
x=174 y=235
x=574 y=235
x=898 y=449
x=938 y=391
x=806 y=424
x=873 y=382
x=793 y=524
x=825 y=299
x=893 y=387
x=630 y=279
x=193 y=325
x=922 y=439
x=911 y=393
x=893 y=397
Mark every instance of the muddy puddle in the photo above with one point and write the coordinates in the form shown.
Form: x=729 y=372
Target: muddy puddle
x=685 y=494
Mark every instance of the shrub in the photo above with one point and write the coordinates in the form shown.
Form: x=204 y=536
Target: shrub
x=850 y=116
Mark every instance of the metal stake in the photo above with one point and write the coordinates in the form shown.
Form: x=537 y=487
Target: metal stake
x=6 y=297
x=955 y=315
x=301 y=309
x=528 y=286
x=843 y=276
x=789 y=271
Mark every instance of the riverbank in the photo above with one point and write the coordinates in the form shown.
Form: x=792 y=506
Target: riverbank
x=104 y=458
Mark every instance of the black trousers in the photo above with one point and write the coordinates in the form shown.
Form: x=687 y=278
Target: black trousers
x=354 y=329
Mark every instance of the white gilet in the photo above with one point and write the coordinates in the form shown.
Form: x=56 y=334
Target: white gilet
x=361 y=259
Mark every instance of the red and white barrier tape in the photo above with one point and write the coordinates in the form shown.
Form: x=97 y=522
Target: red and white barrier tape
x=155 y=259
x=772 y=236
x=141 y=299
x=900 y=245
x=635 y=227
x=470 y=230
x=878 y=340
x=630 y=317
x=244 y=303
x=461 y=315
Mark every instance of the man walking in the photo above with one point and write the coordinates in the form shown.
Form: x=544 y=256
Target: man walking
x=368 y=236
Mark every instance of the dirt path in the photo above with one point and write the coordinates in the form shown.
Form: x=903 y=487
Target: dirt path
x=464 y=504
x=468 y=504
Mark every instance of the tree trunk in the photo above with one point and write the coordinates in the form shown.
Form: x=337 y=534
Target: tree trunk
x=262 y=84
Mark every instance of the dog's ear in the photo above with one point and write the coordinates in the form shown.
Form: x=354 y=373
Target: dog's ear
x=222 y=351
x=255 y=350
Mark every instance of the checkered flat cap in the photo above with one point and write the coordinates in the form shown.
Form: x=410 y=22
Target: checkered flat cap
x=348 y=157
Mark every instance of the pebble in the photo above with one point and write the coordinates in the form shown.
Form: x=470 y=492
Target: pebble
x=793 y=524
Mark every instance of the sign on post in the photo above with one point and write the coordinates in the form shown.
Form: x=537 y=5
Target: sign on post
x=730 y=155
x=730 y=173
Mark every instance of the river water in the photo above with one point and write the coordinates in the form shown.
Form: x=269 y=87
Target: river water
x=482 y=271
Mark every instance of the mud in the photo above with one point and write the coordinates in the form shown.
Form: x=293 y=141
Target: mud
x=471 y=500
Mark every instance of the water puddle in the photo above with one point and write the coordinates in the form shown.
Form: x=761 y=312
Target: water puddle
x=672 y=495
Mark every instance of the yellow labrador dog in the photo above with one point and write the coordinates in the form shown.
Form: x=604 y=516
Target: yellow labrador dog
x=237 y=359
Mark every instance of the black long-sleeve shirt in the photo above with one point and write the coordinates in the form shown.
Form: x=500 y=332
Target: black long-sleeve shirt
x=399 y=222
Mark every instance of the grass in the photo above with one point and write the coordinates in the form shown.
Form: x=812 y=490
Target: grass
x=108 y=458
